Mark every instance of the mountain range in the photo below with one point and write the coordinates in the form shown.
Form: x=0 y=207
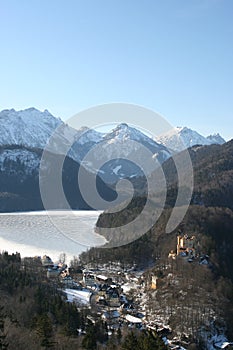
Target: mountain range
x=33 y=128
x=24 y=135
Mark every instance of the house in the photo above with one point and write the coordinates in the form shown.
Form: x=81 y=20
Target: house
x=76 y=273
x=103 y=279
x=113 y=299
x=47 y=261
x=163 y=331
x=204 y=260
x=133 y=321
x=110 y=295
x=89 y=279
x=102 y=289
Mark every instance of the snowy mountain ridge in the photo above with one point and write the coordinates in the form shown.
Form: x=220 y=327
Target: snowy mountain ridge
x=120 y=148
x=33 y=129
x=123 y=134
x=181 y=138
x=28 y=127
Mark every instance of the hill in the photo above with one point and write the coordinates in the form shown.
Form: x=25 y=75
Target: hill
x=188 y=286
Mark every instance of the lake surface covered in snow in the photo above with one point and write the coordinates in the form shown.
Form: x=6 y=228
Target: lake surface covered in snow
x=50 y=233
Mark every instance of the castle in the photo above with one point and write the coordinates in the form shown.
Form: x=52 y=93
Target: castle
x=186 y=245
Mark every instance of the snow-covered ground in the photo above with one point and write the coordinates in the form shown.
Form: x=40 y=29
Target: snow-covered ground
x=80 y=296
x=50 y=233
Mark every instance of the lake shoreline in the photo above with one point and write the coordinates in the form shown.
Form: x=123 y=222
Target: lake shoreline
x=49 y=232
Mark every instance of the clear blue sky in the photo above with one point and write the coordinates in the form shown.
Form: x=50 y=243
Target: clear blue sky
x=174 y=56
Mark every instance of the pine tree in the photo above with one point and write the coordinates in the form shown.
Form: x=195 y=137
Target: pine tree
x=89 y=341
x=3 y=343
x=44 y=330
x=130 y=342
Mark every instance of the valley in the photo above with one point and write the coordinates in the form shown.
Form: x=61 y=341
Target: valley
x=182 y=301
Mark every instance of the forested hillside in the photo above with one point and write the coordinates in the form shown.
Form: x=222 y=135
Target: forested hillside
x=209 y=218
x=35 y=314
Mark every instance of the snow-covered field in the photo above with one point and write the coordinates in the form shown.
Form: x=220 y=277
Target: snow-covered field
x=50 y=233
x=80 y=296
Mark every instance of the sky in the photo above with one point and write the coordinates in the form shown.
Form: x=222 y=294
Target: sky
x=172 y=56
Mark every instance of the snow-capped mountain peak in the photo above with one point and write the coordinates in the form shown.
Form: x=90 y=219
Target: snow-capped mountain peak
x=180 y=138
x=29 y=127
x=216 y=138
x=123 y=132
x=120 y=132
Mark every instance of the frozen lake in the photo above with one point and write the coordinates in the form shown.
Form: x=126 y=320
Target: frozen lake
x=50 y=233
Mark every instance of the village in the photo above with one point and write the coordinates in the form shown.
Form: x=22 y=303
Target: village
x=119 y=295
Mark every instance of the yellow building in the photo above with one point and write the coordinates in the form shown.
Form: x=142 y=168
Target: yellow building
x=154 y=282
x=186 y=244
